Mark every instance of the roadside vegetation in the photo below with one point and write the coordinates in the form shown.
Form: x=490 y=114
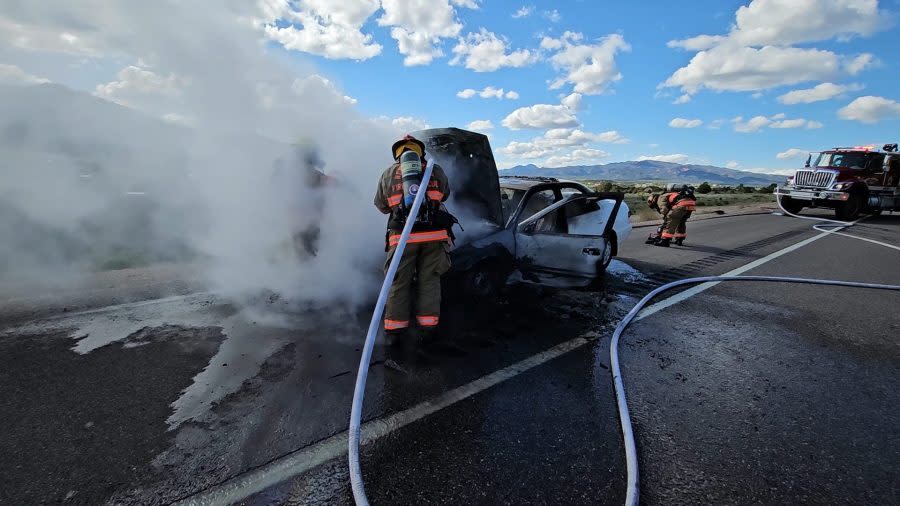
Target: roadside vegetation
x=708 y=196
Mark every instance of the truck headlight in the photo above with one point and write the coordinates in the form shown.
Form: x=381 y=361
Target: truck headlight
x=790 y=181
x=840 y=186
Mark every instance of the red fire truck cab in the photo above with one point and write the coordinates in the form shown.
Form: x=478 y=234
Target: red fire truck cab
x=851 y=181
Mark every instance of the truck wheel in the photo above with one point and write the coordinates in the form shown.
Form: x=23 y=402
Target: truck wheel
x=850 y=209
x=790 y=205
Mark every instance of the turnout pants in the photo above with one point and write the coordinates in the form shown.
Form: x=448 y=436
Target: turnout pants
x=425 y=263
x=676 y=224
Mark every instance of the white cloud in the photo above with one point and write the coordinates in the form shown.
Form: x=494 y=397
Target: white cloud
x=541 y=116
x=11 y=74
x=683 y=99
x=488 y=92
x=320 y=27
x=589 y=67
x=860 y=63
x=524 y=12
x=140 y=88
x=573 y=101
x=824 y=91
x=791 y=153
x=486 y=52
x=418 y=27
x=780 y=120
x=562 y=146
x=554 y=16
x=698 y=43
x=685 y=123
x=733 y=164
x=787 y=22
x=675 y=158
x=585 y=156
x=757 y=54
x=406 y=124
x=870 y=109
x=729 y=67
x=480 y=125
x=320 y=88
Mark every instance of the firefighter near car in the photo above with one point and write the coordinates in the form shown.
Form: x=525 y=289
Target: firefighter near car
x=850 y=180
x=680 y=204
x=653 y=202
x=417 y=285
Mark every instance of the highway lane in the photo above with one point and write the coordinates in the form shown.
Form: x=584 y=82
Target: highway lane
x=547 y=435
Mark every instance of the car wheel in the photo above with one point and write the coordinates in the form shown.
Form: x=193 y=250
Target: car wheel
x=850 y=209
x=608 y=252
x=790 y=205
x=484 y=282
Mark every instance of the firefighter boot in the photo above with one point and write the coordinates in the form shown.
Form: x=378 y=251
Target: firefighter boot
x=394 y=338
x=652 y=240
x=664 y=242
x=679 y=241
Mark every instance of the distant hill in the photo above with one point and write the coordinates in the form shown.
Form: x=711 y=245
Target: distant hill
x=649 y=170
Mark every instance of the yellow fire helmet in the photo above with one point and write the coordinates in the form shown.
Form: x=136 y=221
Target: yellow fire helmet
x=408 y=142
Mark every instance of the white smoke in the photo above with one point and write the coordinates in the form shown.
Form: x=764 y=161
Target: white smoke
x=212 y=158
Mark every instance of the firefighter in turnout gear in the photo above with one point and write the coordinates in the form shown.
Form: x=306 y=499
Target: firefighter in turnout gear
x=426 y=257
x=656 y=201
x=681 y=204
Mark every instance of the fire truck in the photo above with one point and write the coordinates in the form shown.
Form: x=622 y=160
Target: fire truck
x=853 y=180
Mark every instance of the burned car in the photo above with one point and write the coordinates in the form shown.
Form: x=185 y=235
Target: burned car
x=546 y=231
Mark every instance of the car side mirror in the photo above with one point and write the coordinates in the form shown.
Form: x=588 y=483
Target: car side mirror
x=528 y=228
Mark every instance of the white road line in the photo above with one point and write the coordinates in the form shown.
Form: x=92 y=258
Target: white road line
x=678 y=297
x=303 y=460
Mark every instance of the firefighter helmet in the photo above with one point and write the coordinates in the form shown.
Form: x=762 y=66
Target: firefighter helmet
x=408 y=142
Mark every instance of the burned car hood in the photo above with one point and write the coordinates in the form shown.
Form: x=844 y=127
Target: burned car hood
x=467 y=159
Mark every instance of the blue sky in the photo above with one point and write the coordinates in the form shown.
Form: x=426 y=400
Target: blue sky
x=636 y=106
x=747 y=84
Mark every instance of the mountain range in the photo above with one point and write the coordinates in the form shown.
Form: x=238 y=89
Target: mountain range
x=649 y=170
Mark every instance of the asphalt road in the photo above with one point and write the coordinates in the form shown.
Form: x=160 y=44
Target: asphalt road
x=743 y=393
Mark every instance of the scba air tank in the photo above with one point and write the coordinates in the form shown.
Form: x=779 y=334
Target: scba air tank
x=411 y=175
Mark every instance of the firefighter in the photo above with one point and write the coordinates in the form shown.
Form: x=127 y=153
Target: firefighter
x=656 y=202
x=681 y=204
x=426 y=257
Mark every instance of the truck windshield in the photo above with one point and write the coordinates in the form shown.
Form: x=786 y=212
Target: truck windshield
x=850 y=160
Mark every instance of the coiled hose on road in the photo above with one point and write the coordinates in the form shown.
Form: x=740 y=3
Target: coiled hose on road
x=359 y=391
x=828 y=226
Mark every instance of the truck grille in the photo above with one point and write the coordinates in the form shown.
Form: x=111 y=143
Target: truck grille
x=814 y=179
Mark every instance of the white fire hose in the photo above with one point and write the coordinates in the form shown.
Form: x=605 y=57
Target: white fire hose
x=632 y=491
x=359 y=392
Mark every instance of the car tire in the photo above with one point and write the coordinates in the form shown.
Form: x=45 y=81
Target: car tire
x=790 y=205
x=608 y=252
x=850 y=209
x=484 y=282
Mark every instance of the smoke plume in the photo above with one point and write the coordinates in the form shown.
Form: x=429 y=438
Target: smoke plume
x=207 y=146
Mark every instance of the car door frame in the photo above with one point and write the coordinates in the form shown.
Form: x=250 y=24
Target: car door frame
x=558 y=187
